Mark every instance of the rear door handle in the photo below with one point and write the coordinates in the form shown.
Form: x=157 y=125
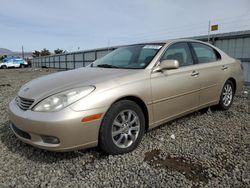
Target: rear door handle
x=195 y=73
x=224 y=67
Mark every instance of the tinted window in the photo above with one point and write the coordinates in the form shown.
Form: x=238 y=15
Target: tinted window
x=180 y=52
x=204 y=53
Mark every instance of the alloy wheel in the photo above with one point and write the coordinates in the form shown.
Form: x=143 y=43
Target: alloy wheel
x=125 y=128
x=227 y=95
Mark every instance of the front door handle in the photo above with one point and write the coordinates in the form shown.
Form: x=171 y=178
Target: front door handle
x=195 y=73
x=224 y=67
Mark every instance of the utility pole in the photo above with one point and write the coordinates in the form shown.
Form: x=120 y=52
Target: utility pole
x=22 y=52
x=208 y=35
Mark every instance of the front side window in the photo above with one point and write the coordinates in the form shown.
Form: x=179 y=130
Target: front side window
x=179 y=51
x=204 y=53
x=130 y=57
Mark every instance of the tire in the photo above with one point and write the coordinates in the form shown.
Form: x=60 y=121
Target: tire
x=22 y=66
x=118 y=133
x=4 y=67
x=227 y=96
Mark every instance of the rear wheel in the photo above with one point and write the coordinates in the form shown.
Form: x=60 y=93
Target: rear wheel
x=122 y=128
x=227 y=96
x=4 y=67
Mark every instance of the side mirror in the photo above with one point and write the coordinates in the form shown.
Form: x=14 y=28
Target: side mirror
x=167 y=65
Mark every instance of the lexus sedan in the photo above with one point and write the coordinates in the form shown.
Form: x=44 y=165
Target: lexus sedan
x=116 y=99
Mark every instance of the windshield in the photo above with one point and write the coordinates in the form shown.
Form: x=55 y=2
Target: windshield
x=130 y=57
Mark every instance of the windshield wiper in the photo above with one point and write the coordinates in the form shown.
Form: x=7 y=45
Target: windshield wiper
x=107 y=66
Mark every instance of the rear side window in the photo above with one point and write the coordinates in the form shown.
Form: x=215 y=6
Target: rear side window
x=179 y=51
x=205 y=54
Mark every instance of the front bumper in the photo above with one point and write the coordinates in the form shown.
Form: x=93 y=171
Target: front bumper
x=64 y=125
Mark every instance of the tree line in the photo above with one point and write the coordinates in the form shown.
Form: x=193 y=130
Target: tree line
x=2 y=57
x=46 y=52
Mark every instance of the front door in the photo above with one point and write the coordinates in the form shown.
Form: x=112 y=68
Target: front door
x=176 y=91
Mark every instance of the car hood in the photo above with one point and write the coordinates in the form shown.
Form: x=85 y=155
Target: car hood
x=50 y=84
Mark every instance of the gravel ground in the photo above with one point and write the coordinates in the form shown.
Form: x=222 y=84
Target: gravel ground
x=209 y=149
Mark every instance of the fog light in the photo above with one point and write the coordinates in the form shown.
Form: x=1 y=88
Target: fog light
x=50 y=139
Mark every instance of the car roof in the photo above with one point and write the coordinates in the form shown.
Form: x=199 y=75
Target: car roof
x=9 y=58
x=169 y=41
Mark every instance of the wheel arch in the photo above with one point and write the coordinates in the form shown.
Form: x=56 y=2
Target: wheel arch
x=234 y=83
x=141 y=104
x=4 y=66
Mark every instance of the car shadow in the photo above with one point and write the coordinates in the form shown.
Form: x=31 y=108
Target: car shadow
x=14 y=145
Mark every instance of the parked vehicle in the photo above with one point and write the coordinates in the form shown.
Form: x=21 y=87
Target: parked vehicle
x=113 y=101
x=15 y=62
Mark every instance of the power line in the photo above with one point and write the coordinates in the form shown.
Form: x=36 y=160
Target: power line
x=197 y=33
x=179 y=31
x=233 y=19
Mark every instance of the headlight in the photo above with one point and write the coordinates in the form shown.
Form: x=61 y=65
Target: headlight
x=61 y=100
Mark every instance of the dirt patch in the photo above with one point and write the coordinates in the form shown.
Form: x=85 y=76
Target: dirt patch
x=191 y=171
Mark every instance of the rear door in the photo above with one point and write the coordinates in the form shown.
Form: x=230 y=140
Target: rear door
x=176 y=91
x=10 y=63
x=212 y=72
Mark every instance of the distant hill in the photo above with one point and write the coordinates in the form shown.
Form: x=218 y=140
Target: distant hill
x=4 y=51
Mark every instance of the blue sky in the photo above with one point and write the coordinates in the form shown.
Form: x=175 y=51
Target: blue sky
x=70 y=24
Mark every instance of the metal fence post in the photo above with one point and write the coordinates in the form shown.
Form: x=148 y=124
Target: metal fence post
x=95 y=55
x=54 y=61
x=59 y=62
x=83 y=60
x=66 y=62
x=74 y=60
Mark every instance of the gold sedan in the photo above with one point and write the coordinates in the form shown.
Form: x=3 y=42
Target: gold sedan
x=113 y=101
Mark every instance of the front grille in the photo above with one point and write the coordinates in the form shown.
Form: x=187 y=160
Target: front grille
x=23 y=103
x=20 y=132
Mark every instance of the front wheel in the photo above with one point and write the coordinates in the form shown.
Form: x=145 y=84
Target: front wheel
x=227 y=96
x=122 y=128
x=22 y=66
